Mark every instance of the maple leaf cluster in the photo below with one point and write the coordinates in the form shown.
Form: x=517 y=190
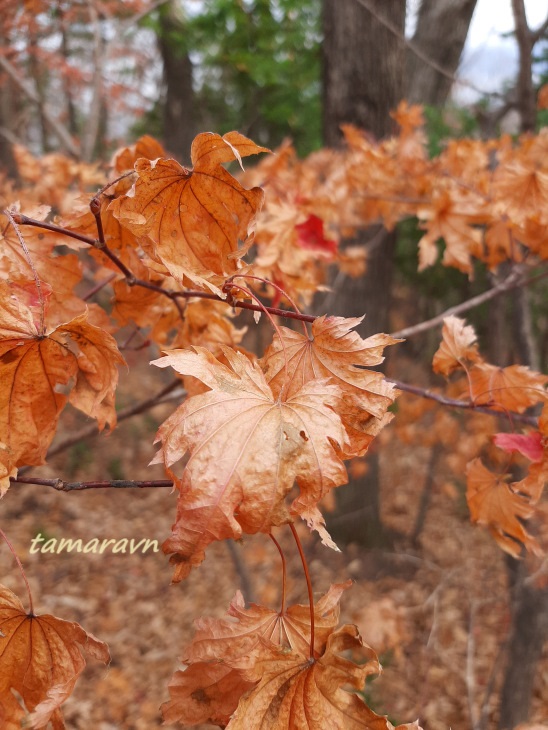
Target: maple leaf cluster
x=493 y=501
x=263 y=656
x=258 y=442
x=485 y=200
x=262 y=441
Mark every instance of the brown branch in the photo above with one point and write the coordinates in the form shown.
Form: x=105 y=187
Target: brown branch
x=134 y=410
x=537 y=34
x=465 y=404
x=513 y=281
x=61 y=131
x=62 y=486
x=132 y=280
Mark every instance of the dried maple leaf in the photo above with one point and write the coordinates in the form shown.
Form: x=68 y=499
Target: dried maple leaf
x=514 y=388
x=41 y=659
x=334 y=351
x=246 y=449
x=449 y=217
x=501 y=506
x=458 y=345
x=37 y=362
x=303 y=694
x=195 y=218
x=209 y=689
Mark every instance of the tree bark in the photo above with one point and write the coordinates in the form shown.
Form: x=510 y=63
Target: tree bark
x=179 y=118
x=362 y=65
x=525 y=88
x=528 y=635
x=362 y=83
x=442 y=28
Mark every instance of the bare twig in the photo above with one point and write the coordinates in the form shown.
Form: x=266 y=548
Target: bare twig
x=62 y=486
x=470 y=668
x=132 y=280
x=514 y=280
x=465 y=404
x=134 y=410
x=59 y=129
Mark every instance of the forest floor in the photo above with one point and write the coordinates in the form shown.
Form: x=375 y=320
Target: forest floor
x=436 y=610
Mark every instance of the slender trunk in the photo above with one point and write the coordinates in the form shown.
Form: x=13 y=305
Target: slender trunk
x=362 y=83
x=437 y=19
x=179 y=116
x=526 y=90
x=528 y=636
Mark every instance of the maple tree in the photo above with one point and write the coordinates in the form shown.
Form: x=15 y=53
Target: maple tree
x=258 y=442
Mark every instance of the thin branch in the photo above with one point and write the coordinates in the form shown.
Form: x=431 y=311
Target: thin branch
x=537 y=34
x=132 y=280
x=470 y=668
x=62 y=486
x=134 y=410
x=513 y=281
x=242 y=571
x=59 y=129
x=465 y=404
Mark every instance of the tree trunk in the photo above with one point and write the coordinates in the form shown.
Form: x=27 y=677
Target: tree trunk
x=178 y=114
x=528 y=635
x=362 y=65
x=442 y=27
x=362 y=83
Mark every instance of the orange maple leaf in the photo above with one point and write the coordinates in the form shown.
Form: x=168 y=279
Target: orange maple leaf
x=247 y=447
x=209 y=689
x=37 y=361
x=449 y=217
x=304 y=694
x=514 y=388
x=195 y=218
x=334 y=351
x=457 y=345
x=41 y=659
x=501 y=506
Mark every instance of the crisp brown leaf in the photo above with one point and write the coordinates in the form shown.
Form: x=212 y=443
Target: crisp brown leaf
x=209 y=689
x=501 y=506
x=233 y=640
x=204 y=692
x=457 y=345
x=246 y=449
x=36 y=365
x=336 y=352
x=196 y=219
x=41 y=657
x=295 y=692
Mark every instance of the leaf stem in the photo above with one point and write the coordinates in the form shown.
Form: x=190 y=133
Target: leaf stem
x=229 y=284
x=308 y=585
x=12 y=550
x=284 y=572
x=279 y=289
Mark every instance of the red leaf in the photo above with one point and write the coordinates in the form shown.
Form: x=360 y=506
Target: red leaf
x=530 y=445
x=310 y=236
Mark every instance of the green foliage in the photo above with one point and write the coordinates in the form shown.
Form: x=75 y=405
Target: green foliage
x=257 y=69
x=451 y=122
